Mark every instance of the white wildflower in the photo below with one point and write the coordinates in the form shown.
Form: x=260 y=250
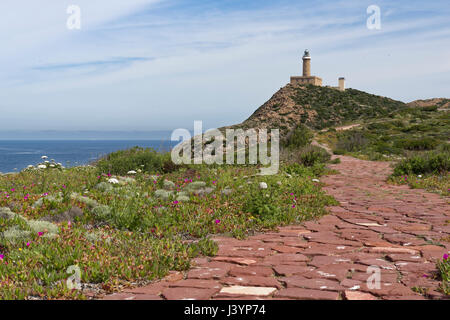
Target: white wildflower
x=113 y=181
x=315 y=180
x=42 y=166
x=44 y=157
x=131 y=172
x=263 y=185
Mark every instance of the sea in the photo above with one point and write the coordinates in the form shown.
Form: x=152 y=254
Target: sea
x=15 y=155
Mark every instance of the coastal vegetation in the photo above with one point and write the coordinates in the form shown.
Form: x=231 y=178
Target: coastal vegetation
x=416 y=139
x=130 y=219
x=133 y=216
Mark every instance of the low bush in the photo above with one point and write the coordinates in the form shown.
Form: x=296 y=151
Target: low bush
x=309 y=156
x=430 y=108
x=445 y=147
x=430 y=162
x=313 y=155
x=384 y=148
x=301 y=137
x=148 y=160
x=351 y=141
x=444 y=272
x=262 y=205
x=425 y=143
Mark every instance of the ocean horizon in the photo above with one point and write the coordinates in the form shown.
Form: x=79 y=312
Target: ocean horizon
x=16 y=155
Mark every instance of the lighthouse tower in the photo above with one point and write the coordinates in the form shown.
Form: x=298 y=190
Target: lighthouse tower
x=306 y=78
x=306 y=64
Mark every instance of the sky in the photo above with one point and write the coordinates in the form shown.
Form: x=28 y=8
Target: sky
x=161 y=64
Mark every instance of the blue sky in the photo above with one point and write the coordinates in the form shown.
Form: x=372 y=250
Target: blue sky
x=161 y=64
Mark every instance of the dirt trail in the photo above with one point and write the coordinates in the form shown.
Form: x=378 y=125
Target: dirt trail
x=399 y=230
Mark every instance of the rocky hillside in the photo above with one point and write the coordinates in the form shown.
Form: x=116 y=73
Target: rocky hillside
x=439 y=102
x=318 y=108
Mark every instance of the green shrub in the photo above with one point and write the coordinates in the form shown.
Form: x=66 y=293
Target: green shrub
x=385 y=148
x=430 y=162
x=149 y=160
x=445 y=147
x=306 y=156
x=425 y=143
x=339 y=152
x=206 y=246
x=262 y=205
x=351 y=141
x=297 y=169
x=444 y=271
x=335 y=161
x=430 y=108
x=300 y=137
x=312 y=155
x=380 y=126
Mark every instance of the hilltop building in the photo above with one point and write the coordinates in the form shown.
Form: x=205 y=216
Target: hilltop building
x=306 y=78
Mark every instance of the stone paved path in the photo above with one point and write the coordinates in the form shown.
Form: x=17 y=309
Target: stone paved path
x=397 y=229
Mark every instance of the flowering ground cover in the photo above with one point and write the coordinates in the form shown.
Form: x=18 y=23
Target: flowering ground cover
x=125 y=230
x=439 y=183
x=444 y=270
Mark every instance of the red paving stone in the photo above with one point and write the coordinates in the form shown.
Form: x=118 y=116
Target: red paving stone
x=376 y=224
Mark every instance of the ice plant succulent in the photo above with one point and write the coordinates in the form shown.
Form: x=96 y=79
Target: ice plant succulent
x=128 y=214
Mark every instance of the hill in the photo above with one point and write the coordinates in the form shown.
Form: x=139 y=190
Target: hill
x=318 y=108
x=439 y=102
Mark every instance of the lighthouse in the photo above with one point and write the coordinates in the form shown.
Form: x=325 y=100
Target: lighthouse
x=306 y=78
x=306 y=64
